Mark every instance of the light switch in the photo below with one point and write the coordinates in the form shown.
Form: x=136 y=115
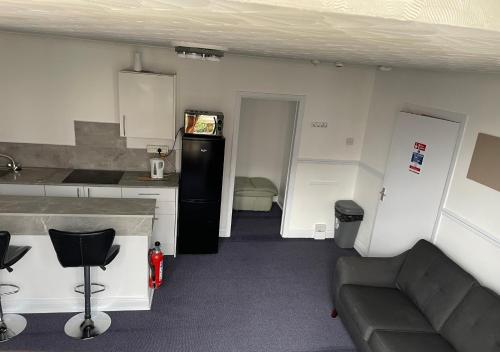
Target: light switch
x=349 y=141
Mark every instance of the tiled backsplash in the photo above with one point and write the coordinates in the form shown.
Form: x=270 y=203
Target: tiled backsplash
x=98 y=146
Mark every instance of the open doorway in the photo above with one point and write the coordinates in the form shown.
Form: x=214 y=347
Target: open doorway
x=263 y=159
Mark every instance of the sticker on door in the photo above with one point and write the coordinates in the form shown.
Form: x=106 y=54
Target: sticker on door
x=417 y=157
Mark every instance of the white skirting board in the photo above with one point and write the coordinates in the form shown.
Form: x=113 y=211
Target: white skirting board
x=306 y=233
x=54 y=305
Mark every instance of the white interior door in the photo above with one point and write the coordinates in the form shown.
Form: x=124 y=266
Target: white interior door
x=417 y=169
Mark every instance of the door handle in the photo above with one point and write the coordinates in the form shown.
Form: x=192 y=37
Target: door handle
x=124 y=129
x=382 y=194
x=88 y=192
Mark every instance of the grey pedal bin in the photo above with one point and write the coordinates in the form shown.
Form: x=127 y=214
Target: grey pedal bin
x=348 y=217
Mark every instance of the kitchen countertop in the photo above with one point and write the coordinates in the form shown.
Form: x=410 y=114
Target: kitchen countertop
x=77 y=206
x=53 y=176
x=136 y=179
x=25 y=215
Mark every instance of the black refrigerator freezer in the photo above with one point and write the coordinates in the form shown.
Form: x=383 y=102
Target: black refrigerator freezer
x=200 y=188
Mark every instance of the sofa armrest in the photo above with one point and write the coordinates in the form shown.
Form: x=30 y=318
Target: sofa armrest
x=367 y=271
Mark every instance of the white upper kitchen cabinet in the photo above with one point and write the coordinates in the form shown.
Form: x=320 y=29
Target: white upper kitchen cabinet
x=147 y=105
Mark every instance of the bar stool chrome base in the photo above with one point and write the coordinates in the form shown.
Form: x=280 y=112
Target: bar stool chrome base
x=11 y=326
x=80 y=328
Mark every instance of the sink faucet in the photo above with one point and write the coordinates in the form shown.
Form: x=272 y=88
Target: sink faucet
x=12 y=164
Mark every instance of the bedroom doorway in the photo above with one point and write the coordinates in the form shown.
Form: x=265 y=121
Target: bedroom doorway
x=262 y=161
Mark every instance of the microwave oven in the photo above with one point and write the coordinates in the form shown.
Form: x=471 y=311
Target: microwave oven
x=203 y=122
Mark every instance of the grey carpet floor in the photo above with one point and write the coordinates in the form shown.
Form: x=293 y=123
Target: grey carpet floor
x=268 y=295
x=256 y=225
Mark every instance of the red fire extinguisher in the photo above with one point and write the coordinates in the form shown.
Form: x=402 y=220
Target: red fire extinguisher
x=156 y=266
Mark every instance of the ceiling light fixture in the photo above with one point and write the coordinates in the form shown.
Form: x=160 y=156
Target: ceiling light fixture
x=205 y=54
x=315 y=62
x=339 y=64
x=384 y=68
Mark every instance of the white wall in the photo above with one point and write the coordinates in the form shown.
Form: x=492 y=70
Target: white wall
x=287 y=156
x=264 y=138
x=469 y=230
x=48 y=82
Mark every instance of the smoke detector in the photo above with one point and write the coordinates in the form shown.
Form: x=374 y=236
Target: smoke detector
x=199 y=51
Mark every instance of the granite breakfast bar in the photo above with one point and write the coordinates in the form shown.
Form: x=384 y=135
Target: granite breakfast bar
x=45 y=285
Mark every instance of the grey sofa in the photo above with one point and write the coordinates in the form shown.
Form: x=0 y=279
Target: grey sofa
x=419 y=301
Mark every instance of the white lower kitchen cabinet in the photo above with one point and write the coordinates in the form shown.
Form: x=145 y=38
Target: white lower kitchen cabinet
x=83 y=191
x=165 y=224
x=64 y=191
x=164 y=232
x=160 y=194
x=22 y=190
x=102 y=192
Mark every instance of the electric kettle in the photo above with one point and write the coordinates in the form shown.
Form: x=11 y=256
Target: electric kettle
x=157 y=166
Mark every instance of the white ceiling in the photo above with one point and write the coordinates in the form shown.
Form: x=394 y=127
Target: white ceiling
x=436 y=34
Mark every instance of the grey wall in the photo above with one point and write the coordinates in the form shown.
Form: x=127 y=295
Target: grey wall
x=98 y=146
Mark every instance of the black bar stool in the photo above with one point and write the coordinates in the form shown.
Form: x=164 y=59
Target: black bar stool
x=85 y=249
x=10 y=324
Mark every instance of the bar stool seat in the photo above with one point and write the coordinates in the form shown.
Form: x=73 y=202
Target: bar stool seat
x=112 y=253
x=11 y=325
x=85 y=250
x=14 y=253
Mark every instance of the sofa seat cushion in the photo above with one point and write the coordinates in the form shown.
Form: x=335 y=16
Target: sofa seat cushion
x=380 y=308
x=404 y=341
x=433 y=282
x=254 y=187
x=252 y=203
x=475 y=325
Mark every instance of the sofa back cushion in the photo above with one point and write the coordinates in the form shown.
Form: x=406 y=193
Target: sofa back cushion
x=433 y=282
x=475 y=324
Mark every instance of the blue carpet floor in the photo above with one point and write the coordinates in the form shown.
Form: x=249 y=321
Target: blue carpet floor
x=254 y=295
x=256 y=225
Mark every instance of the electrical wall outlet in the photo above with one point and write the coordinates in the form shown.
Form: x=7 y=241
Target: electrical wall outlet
x=153 y=148
x=319 y=231
x=320 y=124
x=349 y=141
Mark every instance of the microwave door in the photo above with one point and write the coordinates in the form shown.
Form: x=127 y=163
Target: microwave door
x=212 y=126
x=205 y=125
x=190 y=123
